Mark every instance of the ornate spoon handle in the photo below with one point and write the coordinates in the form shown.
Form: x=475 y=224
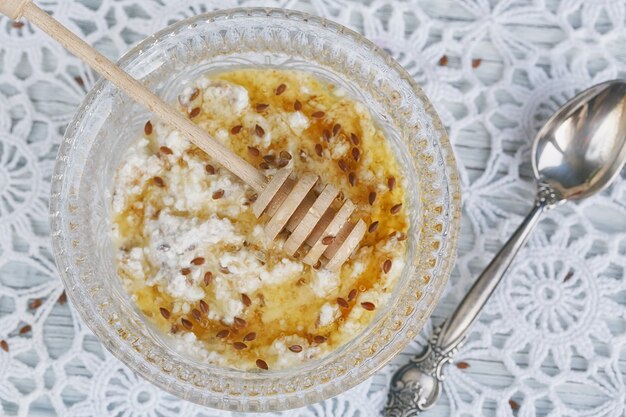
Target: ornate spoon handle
x=417 y=385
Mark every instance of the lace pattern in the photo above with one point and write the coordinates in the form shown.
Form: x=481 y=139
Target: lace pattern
x=553 y=339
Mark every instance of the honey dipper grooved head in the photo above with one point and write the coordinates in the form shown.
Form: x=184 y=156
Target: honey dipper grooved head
x=313 y=223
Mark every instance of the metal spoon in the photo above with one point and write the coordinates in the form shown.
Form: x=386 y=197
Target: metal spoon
x=578 y=152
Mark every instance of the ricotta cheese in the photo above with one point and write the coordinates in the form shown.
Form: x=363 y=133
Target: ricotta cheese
x=196 y=260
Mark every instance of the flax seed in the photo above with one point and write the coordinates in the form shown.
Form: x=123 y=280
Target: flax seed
x=352 y=294
x=396 y=209
x=218 y=194
x=158 y=181
x=174 y=328
x=317 y=265
x=387 y=266
x=391 y=183
x=336 y=129
x=354 y=138
x=210 y=169
x=318 y=114
x=197 y=261
x=319 y=339
x=224 y=270
x=402 y=236
x=264 y=165
x=342 y=165
x=295 y=348
x=204 y=307
x=269 y=158
x=356 y=154
x=262 y=364
x=282 y=163
x=342 y=303
x=328 y=240
x=246 y=300
x=373 y=227
x=297 y=106
x=165 y=313
x=462 y=365
x=568 y=276
x=185 y=271
x=147 y=129
x=326 y=135
x=186 y=323
x=371 y=197
x=443 y=61
x=352 y=179
x=222 y=334
x=261 y=107
x=35 y=304
x=368 y=306
x=196 y=314
x=285 y=155
x=253 y=151
x=4 y=345
x=239 y=322
x=280 y=89
x=260 y=132
x=62 y=298
x=239 y=345
x=318 y=149
x=249 y=337
x=476 y=62
x=208 y=277
x=194 y=94
x=165 y=150
x=193 y=113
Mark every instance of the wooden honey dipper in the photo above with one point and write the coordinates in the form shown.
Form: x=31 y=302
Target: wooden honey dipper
x=291 y=204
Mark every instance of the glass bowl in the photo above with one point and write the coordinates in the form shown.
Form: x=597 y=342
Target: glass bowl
x=107 y=123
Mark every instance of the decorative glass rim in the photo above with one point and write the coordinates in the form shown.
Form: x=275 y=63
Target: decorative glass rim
x=275 y=390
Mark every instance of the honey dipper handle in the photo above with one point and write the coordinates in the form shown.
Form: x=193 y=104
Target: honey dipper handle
x=137 y=91
x=13 y=8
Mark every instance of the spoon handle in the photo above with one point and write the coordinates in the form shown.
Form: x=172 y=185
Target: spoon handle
x=457 y=326
x=135 y=89
x=416 y=386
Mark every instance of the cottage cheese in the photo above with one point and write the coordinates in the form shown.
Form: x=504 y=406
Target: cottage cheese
x=195 y=259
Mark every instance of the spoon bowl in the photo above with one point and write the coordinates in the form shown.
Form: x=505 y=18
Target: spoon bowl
x=581 y=148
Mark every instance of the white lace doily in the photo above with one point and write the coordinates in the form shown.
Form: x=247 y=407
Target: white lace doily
x=552 y=341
